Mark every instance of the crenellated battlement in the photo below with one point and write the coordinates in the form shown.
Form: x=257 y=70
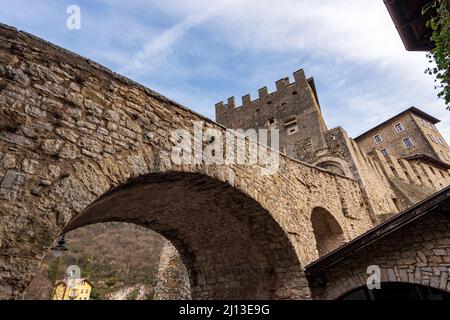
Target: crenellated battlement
x=283 y=88
x=292 y=108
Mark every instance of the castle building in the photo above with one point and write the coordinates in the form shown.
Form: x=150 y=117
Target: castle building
x=72 y=289
x=397 y=163
x=410 y=133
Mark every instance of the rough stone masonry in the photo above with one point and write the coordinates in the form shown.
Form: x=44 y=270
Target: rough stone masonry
x=80 y=144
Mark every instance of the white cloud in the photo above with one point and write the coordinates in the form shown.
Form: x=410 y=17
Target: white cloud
x=159 y=48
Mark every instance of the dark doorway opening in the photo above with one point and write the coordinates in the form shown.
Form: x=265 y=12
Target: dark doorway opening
x=397 y=291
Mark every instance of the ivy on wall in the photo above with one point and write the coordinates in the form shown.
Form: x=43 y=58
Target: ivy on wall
x=440 y=55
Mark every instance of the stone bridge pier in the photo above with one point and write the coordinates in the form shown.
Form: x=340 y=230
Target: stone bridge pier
x=80 y=144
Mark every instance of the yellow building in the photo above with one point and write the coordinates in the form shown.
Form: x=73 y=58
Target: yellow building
x=77 y=289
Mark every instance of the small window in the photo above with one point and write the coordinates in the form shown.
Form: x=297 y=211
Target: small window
x=385 y=152
x=291 y=126
x=378 y=139
x=271 y=121
x=399 y=127
x=408 y=143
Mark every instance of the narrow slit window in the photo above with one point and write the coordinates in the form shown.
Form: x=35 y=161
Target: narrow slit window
x=291 y=126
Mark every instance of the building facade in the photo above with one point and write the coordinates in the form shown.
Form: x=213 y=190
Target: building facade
x=72 y=289
x=410 y=133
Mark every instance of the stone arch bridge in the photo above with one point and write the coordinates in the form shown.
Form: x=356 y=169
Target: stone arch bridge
x=80 y=144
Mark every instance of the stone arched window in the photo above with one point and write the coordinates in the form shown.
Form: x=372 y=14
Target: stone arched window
x=332 y=166
x=335 y=165
x=327 y=231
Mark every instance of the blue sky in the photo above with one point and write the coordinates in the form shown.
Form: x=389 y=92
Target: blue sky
x=199 y=52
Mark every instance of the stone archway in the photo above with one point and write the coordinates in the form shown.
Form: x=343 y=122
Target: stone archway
x=335 y=165
x=327 y=231
x=230 y=245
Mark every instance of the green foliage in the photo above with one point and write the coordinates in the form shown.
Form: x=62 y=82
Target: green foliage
x=96 y=295
x=133 y=295
x=103 y=254
x=440 y=55
x=52 y=272
x=108 y=278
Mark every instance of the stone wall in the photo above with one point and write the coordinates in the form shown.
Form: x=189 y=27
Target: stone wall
x=173 y=279
x=417 y=254
x=80 y=144
x=415 y=179
x=376 y=187
x=391 y=185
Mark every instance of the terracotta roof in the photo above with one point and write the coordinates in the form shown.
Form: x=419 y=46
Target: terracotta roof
x=438 y=201
x=414 y=110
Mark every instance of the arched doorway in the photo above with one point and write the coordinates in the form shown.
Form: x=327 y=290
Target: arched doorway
x=397 y=291
x=327 y=231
